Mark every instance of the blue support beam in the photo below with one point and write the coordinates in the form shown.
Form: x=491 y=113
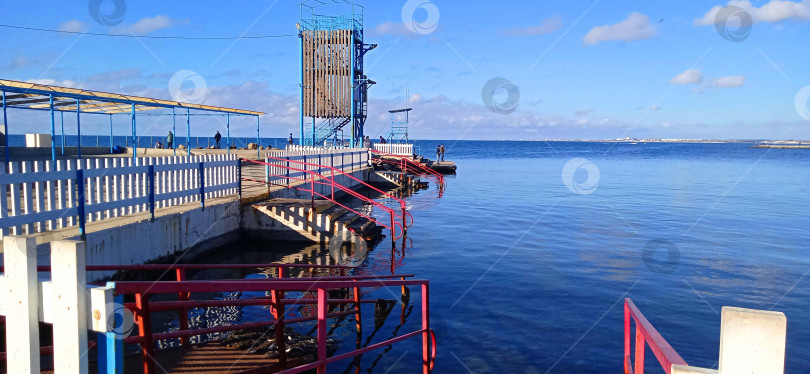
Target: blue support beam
x=53 y=133
x=301 y=100
x=228 y=132
x=62 y=129
x=5 y=130
x=174 y=134
x=258 y=147
x=188 y=133
x=134 y=133
x=354 y=88
x=111 y=135
x=79 y=126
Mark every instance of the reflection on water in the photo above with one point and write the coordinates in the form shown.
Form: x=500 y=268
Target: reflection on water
x=527 y=276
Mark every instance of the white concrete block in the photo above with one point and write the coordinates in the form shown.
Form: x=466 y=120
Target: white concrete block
x=752 y=341
x=22 y=325
x=683 y=369
x=68 y=262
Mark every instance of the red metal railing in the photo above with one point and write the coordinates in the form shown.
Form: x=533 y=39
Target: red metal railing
x=330 y=181
x=143 y=308
x=646 y=334
x=406 y=164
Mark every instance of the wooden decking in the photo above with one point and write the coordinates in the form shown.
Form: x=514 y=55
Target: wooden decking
x=210 y=358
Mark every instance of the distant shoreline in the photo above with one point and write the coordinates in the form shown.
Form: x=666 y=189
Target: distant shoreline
x=783 y=146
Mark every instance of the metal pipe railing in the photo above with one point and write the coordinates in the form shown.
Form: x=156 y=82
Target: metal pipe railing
x=330 y=181
x=417 y=167
x=646 y=334
x=143 y=308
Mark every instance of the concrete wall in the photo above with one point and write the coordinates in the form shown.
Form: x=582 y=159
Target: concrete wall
x=172 y=234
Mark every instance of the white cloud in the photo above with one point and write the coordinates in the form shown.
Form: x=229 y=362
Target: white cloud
x=73 y=26
x=582 y=112
x=732 y=81
x=54 y=82
x=637 y=26
x=773 y=11
x=547 y=26
x=391 y=28
x=146 y=25
x=655 y=107
x=415 y=98
x=690 y=76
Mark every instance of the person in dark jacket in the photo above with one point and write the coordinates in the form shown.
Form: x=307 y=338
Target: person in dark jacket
x=217 y=138
x=170 y=141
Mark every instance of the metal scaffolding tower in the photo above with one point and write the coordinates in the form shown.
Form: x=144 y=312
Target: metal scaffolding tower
x=333 y=85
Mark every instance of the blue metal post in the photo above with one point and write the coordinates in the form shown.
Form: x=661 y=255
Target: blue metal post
x=53 y=133
x=5 y=124
x=134 y=133
x=150 y=180
x=239 y=176
x=174 y=134
x=353 y=102
x=228 y=131
x=79 y=126
x=111 y=343
x=301 y=101
x=111 y=135
x=258 y=150
x=188 y=132
x=62 y=130
x=202 y=185
x=81 y=198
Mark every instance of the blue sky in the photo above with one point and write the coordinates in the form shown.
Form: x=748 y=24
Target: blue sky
x=583 y=69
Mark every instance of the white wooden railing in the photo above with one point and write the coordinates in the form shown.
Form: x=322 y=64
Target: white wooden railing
x=43 y=196
x=344 y=159
x=397 y=149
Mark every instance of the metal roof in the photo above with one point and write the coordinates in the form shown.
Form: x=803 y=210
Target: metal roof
x=37 y=96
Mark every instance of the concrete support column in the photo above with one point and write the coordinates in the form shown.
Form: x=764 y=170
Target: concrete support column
x=752 y=341
x=22 y=319
x=69 y=279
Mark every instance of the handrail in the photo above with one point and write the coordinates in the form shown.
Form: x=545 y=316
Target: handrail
x=646 y=334
x=46 y=268
x=331 y=182
x=342 y=188
x=425 y=170
x=143 y=308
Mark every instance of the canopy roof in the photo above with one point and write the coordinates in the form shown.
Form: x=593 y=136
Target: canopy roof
x=25 y=95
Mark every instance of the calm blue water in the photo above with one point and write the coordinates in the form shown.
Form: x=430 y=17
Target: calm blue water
x=529 y=276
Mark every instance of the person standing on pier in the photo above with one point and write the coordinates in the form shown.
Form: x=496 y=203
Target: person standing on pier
x=438 y=152
x=217 y=138
x=170 y=140
x=382 y=140
x=290 y=139
x=442 y=146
